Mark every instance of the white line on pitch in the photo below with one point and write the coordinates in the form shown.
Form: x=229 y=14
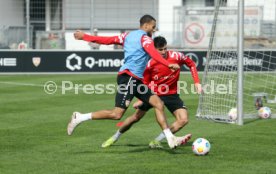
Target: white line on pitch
x=34 y=85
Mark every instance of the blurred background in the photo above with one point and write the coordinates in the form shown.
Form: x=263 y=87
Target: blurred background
x=49 y=24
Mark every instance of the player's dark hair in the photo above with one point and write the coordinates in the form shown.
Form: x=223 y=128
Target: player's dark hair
x=146 y=19
x=159 y=42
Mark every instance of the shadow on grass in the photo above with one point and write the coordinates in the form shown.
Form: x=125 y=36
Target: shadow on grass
x=137 y=148
x=248 y=121
x=179 y=150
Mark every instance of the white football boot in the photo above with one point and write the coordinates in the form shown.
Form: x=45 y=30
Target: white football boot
x=74 y=122
x=183 y=140
x=173 y=142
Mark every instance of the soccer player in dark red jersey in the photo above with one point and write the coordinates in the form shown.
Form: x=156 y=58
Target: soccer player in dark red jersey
x=163 y=82
x=138 y=48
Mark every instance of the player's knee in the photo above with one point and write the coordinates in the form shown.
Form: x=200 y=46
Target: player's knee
x=116 y=115
x=156 y=102
x=159 y=105
x=183 y=121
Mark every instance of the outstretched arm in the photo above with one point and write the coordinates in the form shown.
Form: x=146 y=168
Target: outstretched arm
x=190 y=63
x=106 y=40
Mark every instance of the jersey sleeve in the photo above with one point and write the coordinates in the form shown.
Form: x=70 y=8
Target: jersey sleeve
x=190 y=63
x=147 y=44
x=106 y=40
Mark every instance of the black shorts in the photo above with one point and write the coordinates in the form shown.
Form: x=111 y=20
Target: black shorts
x=172 y=102
x=129 y=87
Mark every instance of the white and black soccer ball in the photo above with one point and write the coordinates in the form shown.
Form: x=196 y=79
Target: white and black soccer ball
x=232 y=114
x=201 y=146
x=264 y=112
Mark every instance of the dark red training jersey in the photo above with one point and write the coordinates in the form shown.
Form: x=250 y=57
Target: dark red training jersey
x=157 y=76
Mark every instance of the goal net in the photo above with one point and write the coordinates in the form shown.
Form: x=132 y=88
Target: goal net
x=259 y=69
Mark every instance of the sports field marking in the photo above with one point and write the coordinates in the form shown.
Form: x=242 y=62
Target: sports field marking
x=36 y=85
x=22 y=84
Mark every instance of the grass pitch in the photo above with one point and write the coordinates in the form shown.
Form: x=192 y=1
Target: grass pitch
x=33 y=135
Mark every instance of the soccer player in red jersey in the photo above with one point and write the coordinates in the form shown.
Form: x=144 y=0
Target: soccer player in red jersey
x=138 y=48
x=163 y=82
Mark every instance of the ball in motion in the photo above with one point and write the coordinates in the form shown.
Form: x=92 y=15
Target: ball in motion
x=264 y=112
x=201 y=146
x=232 y=114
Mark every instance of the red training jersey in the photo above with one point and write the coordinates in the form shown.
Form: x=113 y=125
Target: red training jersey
x=161 y=79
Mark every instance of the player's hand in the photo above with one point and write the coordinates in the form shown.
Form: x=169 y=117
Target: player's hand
x=198 y=88
x=137 y=104
x=174 y=66
x=79 y=35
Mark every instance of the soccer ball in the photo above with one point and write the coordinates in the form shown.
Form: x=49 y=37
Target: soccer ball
x=264 y=112
x=232 y=114
x=201 y=146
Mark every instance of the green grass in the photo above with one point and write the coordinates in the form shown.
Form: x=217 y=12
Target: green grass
x=33 y=136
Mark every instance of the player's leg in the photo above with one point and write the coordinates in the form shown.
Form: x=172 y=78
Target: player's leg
x=78 y=118
x=147 y=96
x=114 y=114
x=132 y=120
x=177 y=107
x=181 y=116
x=179 y=110
x=139 y=113
x=181 y=119
x=122 y=101
x=126 y=126
x=158 y=106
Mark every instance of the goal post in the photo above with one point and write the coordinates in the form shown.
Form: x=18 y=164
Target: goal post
x=242 y=58
x=240 y=62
